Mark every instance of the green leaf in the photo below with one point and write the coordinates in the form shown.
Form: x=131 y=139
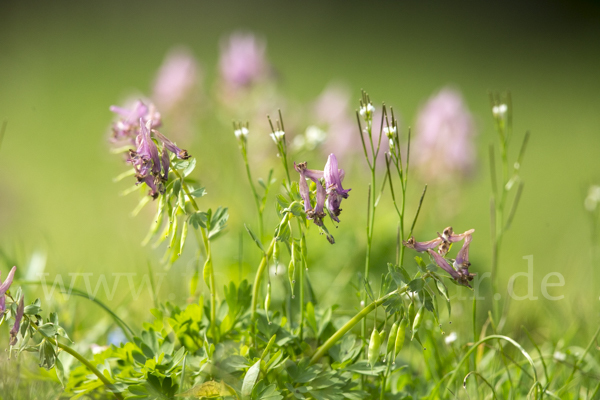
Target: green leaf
x=369 y=290
x=297 y=209
x=310 y=317
x=190 y=167
x=218 y=222
x=250 y=380
x=415 y=285
x=253 y=236
x=34 y=308
x=405 y=275
x=60 y=372
x=283 y=232
x=263 y=392
x=198 y=219
x=48 y=329
x=363 y=368
x=283 y=202
x=421 y=264
x=47 y=356
x=198 y=192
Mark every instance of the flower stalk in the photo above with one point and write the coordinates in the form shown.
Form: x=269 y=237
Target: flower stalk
x=321 y=351
x=81 y=359
x=261 y=269
x=208 y=263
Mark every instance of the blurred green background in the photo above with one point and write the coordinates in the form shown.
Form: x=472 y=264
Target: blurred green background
x=64 y=63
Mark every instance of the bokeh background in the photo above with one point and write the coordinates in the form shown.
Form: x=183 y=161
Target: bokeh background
x=64 y=63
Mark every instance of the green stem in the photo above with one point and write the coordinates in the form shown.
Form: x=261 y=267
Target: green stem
x=81 y=359
x=256 y=198
x=206 y=240
x=321 y=351
x=302 y=269
x=576 y=363
x=261 y=270
x=370 y=225
x=452 y=375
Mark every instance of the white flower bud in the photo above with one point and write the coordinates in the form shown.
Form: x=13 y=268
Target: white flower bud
x=241 y=133
x=499 y=110
x=277 y=136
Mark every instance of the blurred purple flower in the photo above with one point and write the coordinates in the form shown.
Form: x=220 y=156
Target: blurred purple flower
x=243 y=62
x=15 y=329
x=333 y=181
x=332 y=111
x=443 y=144
x=177 y=77
x=4 y=288
x=127 y=128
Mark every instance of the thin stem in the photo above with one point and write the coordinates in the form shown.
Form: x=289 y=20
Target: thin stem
x=261 y=269
x=256 y=197
x=81 y=359
x=576 y=363
x=208 y=263
x=321 y=351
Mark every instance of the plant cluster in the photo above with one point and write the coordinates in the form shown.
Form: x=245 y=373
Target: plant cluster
x=245 y=343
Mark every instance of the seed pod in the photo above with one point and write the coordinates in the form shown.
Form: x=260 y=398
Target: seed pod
x=268 y=300
x=374 y=345
x=400 y=337
x=291 y=270
x=207 y=272
x=417 y=322
x=276 y=256
x=184 y=232
x=411 y=312
x=303 y=249
x=392 y=338
x=173 y=242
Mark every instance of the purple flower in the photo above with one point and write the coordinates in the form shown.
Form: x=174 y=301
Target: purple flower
x=443 y=145
x=443 y=264
x=443 y=241
x=333 y=181
x=449 y=235
x=145 y=159
x=411 y=243
x=242 y=61
x=462 y=263
x=180 y=153
x=317 y=214
x=461 y=276
x=127 y=128
x=4 y=286
x=15 y=329
x=459 y=271
x=177 y=77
